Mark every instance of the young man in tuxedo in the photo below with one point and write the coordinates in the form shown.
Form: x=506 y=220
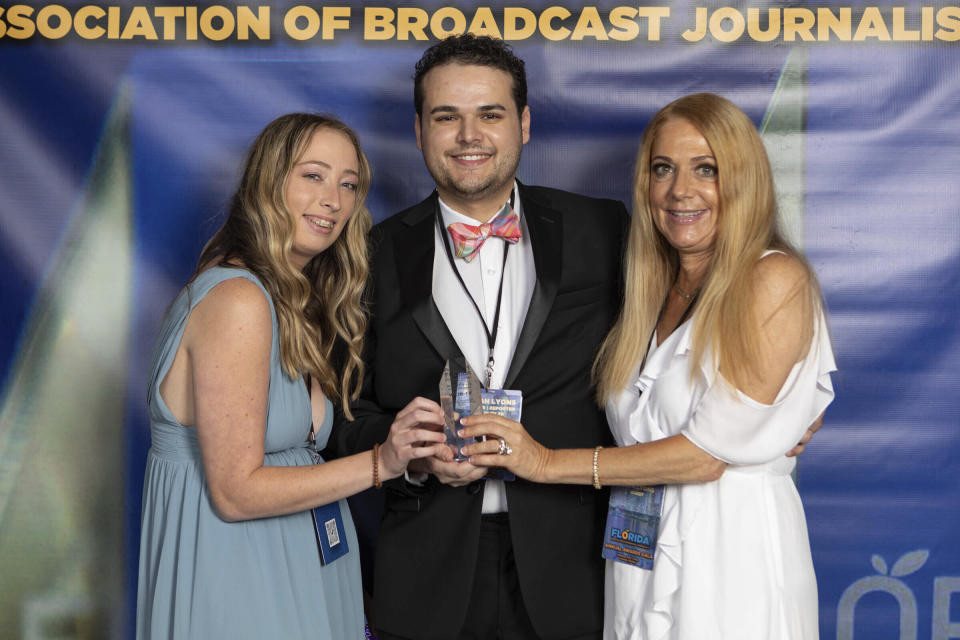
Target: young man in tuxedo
x=527 y=301
x=459 y=555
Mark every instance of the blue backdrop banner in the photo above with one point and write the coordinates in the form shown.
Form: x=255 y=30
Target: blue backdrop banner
x=124 y=130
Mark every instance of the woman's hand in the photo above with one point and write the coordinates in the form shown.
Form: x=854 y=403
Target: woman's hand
x=521 y=453
x=416 y=432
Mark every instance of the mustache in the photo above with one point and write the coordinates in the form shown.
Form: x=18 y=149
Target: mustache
x=470 y=150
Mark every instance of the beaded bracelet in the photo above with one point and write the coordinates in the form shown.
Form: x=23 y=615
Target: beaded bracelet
x=596 y=467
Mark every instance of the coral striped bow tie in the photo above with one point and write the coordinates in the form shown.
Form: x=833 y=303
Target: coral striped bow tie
x=468 y=238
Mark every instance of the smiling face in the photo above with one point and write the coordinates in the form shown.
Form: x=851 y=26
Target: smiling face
x=321 y=193
x=471 y=136
x=684 y=193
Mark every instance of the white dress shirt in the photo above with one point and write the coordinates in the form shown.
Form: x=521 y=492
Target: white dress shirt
x=482 y=277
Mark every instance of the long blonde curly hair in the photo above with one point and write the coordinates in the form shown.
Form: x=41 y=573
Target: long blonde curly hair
x=747 y=226
x=320 y=313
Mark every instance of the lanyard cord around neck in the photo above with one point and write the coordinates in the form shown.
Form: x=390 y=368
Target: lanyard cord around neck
x=491 y=334
x=683 y=318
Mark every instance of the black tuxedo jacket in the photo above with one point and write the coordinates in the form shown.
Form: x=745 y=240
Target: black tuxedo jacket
x=427 y=547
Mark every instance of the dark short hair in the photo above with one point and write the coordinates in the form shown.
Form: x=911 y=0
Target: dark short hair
x=470 y=49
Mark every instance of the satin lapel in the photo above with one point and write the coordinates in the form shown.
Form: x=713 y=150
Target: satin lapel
x=414 y=255
x=546 y=240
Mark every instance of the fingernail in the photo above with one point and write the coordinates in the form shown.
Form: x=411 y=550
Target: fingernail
x=460 y=433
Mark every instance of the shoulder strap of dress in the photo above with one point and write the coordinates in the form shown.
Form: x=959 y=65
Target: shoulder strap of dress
x=208 y=279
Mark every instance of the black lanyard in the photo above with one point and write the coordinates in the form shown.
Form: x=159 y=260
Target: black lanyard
x=491 y=335
x=312 y=436
x=683 y=318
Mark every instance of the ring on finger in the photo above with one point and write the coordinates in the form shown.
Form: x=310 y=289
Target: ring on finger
x=505 y=449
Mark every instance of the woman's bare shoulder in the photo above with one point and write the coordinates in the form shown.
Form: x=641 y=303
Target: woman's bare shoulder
x=779 y=278
x=234 y=306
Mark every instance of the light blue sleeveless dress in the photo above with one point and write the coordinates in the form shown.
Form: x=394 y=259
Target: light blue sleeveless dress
x=202 y=577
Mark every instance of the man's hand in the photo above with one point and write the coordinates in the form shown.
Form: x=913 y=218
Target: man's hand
x=455 y=474
x=797 y=450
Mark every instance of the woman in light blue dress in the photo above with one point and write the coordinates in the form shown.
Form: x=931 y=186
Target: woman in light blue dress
x=239 y=399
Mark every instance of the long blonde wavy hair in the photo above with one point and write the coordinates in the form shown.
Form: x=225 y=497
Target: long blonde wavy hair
x=746 y=227
x=320 y=313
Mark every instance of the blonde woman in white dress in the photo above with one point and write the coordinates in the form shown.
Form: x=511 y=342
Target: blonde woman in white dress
x=716 y=367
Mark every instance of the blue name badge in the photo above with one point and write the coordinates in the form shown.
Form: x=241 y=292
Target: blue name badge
x=633 y=521
x=507 y=403
x=331 y=536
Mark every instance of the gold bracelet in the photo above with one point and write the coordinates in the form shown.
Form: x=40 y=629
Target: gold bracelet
x=596 y=468
x=376 y=467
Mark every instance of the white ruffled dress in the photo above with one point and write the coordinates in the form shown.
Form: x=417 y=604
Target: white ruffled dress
x=733 y=560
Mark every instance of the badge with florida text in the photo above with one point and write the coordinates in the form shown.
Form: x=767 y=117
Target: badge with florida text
x=633 y=521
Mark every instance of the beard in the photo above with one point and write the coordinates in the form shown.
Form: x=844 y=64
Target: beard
x=495 y=176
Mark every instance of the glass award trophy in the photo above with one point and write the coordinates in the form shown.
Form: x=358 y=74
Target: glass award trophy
x=468 y=397
x=458 y=401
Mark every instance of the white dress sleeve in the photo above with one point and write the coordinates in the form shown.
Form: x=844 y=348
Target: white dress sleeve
x=738 y=430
